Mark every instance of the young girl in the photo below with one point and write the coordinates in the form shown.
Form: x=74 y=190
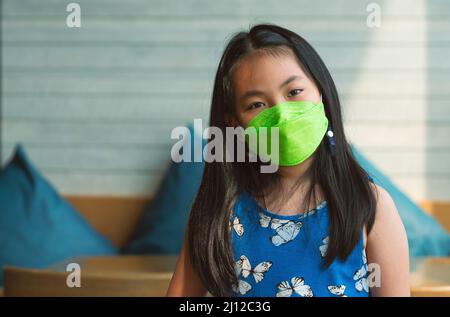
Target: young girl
x=316 y=227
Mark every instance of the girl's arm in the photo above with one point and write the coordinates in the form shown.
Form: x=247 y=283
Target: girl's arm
x=185 y=282
x=387 y=245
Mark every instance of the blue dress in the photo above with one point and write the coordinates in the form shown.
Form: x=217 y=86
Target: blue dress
x=282 y=255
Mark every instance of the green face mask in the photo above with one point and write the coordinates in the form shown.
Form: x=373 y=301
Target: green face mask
x=301 y=128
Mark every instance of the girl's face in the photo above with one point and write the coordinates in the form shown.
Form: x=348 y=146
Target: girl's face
x=262 y=80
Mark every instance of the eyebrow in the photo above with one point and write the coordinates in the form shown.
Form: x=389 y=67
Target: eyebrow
x=251 y=93
x=290 y=79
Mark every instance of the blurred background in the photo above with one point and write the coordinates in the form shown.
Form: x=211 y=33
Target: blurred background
x=93 y=106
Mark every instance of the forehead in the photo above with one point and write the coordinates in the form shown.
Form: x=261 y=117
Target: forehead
x=261 y=70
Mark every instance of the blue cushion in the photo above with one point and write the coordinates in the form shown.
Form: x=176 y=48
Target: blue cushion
x=161 y=228
x=37 y=226
x=426 y=237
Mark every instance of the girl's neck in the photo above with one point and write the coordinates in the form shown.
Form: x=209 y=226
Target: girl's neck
x=291 y=175
x=294 y=184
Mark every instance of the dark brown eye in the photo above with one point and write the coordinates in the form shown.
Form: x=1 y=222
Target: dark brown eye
x=256 y=105
x=294 y=92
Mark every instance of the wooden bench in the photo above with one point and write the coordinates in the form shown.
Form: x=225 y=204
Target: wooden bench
x=114 y=217
x=100 y=276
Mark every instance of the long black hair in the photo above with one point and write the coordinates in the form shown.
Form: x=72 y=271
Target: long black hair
x=351 y=200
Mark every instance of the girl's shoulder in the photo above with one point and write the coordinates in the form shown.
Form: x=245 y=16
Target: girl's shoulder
x=384 y=204
x=385 y=213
